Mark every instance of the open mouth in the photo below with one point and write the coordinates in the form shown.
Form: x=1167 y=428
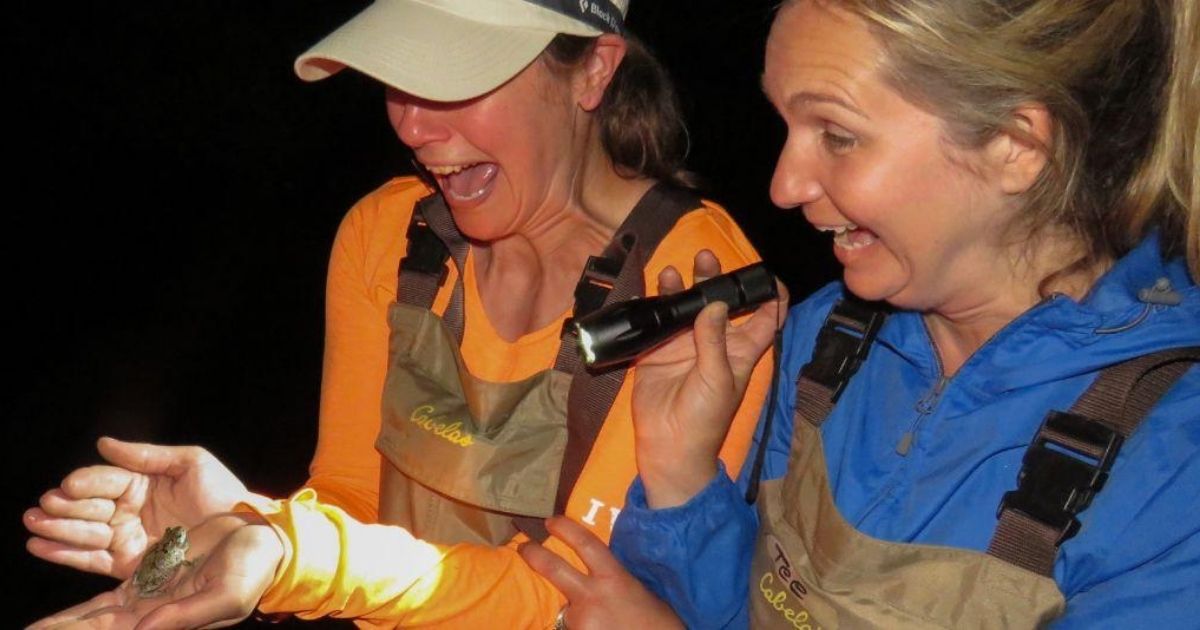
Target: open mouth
x=465 y=182
x=849 y=236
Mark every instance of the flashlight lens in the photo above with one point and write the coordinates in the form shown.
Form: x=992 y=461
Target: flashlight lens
x=585 y=345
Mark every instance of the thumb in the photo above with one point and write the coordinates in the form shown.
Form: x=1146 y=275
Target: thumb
x=142 y=457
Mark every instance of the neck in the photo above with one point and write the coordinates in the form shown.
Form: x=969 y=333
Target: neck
x=544 y=260
x=962 y=325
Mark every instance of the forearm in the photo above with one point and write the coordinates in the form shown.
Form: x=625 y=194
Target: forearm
x=336 y=566
x=695 y=556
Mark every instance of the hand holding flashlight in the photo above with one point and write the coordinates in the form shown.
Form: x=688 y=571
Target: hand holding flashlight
x=620 y=332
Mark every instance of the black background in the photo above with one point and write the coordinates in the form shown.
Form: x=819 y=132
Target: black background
x=171 y=196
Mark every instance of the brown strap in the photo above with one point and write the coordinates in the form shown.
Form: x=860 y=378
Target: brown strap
x=418 y=284
x=591 y=396
x=840 y=349
x=1099 y=421
x=1025 y=541
x=814 y=401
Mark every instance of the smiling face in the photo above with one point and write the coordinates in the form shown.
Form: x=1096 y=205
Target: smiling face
x=916 y=220
x=501 y=159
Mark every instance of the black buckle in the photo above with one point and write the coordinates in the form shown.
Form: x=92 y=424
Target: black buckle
x=842 y=345
x=1059 y=478
x=598 y=277
x=426 y=252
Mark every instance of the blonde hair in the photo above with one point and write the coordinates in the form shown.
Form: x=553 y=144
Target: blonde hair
x=1119 y=79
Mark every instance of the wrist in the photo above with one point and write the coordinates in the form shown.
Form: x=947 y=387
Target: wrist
x=669 y=486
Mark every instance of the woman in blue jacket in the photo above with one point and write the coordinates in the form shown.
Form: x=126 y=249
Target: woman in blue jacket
x=1017 y=184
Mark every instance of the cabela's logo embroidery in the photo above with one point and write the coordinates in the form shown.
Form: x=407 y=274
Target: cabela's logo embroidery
x=783 y=567
x=450 y=431
x=794 y=613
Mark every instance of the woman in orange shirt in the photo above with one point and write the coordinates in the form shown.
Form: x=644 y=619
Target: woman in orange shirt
x=554 y=152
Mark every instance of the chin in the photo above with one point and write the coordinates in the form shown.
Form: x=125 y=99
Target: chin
x=875 y=286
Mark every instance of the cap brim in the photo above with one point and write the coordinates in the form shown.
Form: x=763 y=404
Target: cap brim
x=424 y=51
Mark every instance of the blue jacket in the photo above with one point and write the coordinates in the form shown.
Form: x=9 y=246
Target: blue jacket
x=917 y=457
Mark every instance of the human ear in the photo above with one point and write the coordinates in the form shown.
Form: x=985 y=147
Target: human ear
x=598 y=70
x=1022 y=153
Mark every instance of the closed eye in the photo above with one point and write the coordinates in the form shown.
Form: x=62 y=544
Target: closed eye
x=837 y=142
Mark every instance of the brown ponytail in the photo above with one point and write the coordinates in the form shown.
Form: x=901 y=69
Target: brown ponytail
x=641 y=122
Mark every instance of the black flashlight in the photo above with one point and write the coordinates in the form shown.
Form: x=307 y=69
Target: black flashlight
x=620 y=332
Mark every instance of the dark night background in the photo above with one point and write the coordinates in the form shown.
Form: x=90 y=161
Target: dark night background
x=173 y=193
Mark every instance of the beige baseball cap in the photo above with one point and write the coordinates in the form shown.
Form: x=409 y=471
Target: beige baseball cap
x=453 y=50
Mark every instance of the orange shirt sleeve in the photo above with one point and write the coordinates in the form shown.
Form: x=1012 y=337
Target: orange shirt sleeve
x=336 y=563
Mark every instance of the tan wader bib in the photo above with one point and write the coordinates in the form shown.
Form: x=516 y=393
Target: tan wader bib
x=463 y=458
x=813 y=570
x=496 y=446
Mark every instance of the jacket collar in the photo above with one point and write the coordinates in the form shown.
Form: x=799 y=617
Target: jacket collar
x=1122 y=317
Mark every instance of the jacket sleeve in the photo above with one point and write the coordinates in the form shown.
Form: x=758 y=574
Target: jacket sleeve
x=696 y=556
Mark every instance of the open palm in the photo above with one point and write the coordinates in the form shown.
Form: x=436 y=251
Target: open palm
x=102 y=518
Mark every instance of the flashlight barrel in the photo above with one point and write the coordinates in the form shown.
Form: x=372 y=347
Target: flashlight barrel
x=620 y=332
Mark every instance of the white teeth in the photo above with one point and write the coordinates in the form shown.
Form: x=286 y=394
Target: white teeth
x=848 y=235
x=447 y=170
x=838 y=230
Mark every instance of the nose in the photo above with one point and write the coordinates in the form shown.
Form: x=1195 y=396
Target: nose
x=414 y=122
x=795 y=180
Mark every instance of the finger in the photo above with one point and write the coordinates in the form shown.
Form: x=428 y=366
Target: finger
x=767 y=318
x=92 y=482
x=669 y=281
x=90 y=560
x=594 y=553
x=756 y=334
x=56 y=503
x=705 y=265
x=70 y=617
x=712 y=359
x=559 y=572
x=86 y=534
x=150 y=459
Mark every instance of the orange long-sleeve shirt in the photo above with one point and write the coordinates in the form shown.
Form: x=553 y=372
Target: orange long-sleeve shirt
x=337 y=564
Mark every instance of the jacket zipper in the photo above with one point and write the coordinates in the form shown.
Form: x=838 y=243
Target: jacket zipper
x=928 y=403
x=924 y=407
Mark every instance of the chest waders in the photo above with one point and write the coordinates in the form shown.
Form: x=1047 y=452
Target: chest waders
x=812 y=570
x=468 y=460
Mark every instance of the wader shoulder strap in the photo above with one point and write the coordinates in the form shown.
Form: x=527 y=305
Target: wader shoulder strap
x=841 y=347
x=432 y=240
x=618 y=274
x=1071 y=454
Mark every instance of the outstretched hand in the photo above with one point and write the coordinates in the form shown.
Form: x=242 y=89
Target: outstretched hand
x=607 y=596
x=686 y=392
x=102 y=518
x=234 y=558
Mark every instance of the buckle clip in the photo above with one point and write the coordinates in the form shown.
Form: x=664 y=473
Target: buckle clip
x=426 y=252
x=1065 y=467
x=597 y=280
x=842 y=345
